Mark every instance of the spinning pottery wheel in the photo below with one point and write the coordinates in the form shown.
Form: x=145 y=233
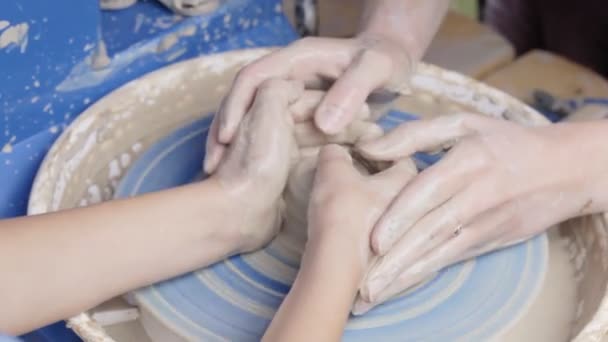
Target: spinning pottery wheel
x=160 y=122
x=236 y=299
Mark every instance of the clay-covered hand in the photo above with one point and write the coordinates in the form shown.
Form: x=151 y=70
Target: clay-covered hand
x=500 y=184
x=346 y=203
x=358 y=65
x=308 y=135
x=254 y=172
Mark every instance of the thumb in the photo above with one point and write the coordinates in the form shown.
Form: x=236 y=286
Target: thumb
x=368 y=71
x=334 y=165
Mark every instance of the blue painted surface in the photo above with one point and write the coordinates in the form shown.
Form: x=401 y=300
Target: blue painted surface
x=47 y=79
x=46 y=85
x=491 y=290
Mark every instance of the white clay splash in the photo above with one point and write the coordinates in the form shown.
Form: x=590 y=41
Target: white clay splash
x=16 y=34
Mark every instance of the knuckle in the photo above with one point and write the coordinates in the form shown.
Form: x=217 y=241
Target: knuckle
x=474 y=151
x=272 y=85
x=250 y=72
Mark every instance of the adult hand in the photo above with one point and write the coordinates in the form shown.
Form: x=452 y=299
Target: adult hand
x=345 y=203
x=358 y=66
x=500 y=184
x=275 y=131
x=254 y=171
x=308 y=135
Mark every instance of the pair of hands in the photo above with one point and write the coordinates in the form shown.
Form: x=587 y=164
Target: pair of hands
x=254 y=137
x=359 y=66
x=254 y=169
x=500 y=184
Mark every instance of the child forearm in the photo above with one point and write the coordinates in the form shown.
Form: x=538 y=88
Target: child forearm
x=56 y=265
x=320 y=300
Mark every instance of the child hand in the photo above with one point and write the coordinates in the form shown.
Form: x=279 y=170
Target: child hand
x=254 y=171
x=359 y=66
x=345 y=204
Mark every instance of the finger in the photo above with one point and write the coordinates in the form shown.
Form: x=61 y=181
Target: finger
x=279 y=93
x=280 y=64
x=423 y=135
x=264 y=139
x=267 y=126
x=334 y=161
x=308 y=135
x=368 y=71
x=304 y=57
x=404 y=168
x=362 y=305
x=236 y=103
x=214 y=150
x=451 y=252
x=427 y=191
x=394 y=178
x=468 y=244
x=304 y=108
x=433 y=230
x=502 y=226
x=244 y=87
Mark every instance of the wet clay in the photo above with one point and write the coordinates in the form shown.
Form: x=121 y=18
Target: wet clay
x=550 y=317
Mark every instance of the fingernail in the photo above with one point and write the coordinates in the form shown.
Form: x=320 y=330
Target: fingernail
x=224 y=135
x=364 y=292
x=208 y=166
x=211 y=160
x=378 y=246
x=329 y=119
x=361 y=307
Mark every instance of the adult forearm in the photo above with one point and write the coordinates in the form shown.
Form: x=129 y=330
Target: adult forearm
x=56 y=265
x=411 y=23
x=319 y=302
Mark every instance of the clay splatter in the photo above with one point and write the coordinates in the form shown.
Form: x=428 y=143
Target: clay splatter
x=15 y=35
